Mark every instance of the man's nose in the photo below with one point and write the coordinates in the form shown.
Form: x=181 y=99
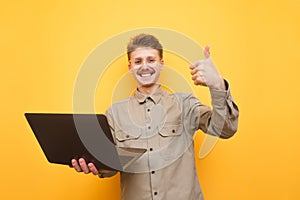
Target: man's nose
x=144 y=64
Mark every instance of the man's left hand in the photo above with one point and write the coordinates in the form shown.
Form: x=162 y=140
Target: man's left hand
x=205 y=73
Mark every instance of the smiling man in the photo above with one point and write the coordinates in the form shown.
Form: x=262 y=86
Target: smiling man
x=164 y=124
x=145 y=65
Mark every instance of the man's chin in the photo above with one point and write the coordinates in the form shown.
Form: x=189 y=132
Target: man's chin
x=145 y=83
x=148 y=85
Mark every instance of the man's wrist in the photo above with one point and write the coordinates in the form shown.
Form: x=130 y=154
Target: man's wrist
x=100 y=175
x=220 y=85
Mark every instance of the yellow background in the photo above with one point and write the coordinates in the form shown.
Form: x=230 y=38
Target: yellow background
x=255 y=45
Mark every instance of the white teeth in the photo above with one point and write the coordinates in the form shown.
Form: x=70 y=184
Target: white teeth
x=145 y=75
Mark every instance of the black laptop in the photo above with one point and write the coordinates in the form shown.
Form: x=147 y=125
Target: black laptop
x=63 y=137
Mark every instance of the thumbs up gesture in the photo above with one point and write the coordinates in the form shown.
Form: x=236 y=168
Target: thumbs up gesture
x=205 y=73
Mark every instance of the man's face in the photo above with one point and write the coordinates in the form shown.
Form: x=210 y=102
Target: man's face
x=145 y=65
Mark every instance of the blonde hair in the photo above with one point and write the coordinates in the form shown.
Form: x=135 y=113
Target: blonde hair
x=144 y=40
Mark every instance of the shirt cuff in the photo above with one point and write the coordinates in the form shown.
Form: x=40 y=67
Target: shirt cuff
x=219 y=97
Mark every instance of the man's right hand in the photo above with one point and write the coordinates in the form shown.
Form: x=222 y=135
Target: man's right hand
x=82 y=166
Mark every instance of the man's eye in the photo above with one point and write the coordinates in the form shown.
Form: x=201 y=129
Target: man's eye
x=151 y=60
x=137 y=62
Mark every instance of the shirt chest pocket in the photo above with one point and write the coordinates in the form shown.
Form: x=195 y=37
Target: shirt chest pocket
x=171 y=141
x=170 y=130
x=130 y=138
x=169 y=133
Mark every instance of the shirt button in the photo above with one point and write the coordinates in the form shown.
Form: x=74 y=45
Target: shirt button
x=173 y=131
x=153 y=172
x=151 y=149
x=127 y=136
x=155 y=193
x=148 y=110
x=149 y=127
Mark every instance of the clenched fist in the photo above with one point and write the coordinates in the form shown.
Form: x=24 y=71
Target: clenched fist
x=205 y=73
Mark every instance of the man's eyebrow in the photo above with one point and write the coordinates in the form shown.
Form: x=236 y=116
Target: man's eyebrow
x=145 y=57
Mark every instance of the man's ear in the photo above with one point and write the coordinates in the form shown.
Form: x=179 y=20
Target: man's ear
x=130 y=68
x=162 y=64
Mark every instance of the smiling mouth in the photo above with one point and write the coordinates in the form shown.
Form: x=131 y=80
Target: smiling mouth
x=146 y=75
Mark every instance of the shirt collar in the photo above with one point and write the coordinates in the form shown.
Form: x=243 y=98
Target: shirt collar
x=155 y=96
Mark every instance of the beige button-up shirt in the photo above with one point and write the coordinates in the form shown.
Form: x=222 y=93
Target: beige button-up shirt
x=164 y=124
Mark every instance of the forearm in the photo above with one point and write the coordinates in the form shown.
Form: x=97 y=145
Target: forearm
x=222 y=120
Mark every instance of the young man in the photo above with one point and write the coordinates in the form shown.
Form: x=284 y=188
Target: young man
x=164 y=124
